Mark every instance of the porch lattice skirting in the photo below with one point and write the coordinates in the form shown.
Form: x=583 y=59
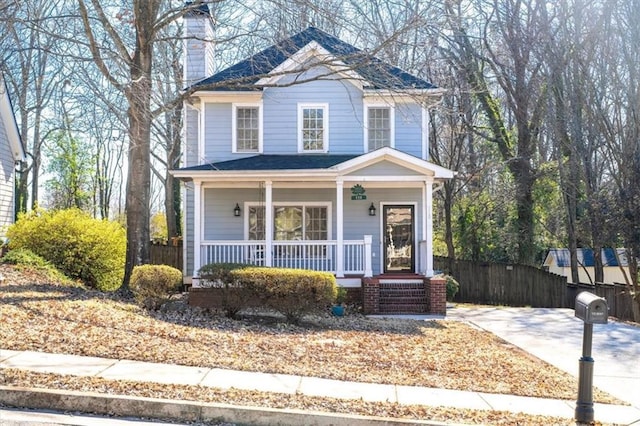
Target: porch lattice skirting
x=398 y=297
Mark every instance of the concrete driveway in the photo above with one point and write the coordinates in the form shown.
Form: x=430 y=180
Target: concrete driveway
x=555 y=336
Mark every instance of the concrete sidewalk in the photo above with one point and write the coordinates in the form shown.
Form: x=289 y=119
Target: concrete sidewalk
x=226 y=379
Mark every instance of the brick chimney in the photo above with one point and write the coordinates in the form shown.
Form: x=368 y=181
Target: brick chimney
x=198 y=43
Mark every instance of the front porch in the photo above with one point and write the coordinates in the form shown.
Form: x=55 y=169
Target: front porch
x=348 y=260
x=355 y=216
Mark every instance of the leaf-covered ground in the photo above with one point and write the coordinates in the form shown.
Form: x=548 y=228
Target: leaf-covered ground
x=38 y=315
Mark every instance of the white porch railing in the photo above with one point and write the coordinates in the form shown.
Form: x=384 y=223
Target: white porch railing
x=314 y=255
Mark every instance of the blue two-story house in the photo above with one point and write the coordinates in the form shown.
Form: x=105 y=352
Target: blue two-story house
x=310 y=154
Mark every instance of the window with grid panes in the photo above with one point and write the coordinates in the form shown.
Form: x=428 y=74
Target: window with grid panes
x=313 y=128
x=290 y=223
x=247 y=129
x=379 y=127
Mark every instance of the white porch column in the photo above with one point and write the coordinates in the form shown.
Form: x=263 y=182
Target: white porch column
x=427 y=225
x=339 y=229
x=197 y=225
x=368 y=266
x=268 y=223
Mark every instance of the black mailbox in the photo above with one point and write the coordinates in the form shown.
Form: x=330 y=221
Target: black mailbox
x=591 y=309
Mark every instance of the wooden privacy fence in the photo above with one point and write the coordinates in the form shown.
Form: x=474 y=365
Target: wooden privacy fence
x=166 y=255
x=521 y=285
x=500 y=284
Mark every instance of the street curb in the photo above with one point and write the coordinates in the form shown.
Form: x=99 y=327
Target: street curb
x=127 y=406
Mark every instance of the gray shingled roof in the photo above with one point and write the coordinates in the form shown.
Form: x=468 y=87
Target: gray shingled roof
x=586 y=257
x=243 y=75
x=275 y=162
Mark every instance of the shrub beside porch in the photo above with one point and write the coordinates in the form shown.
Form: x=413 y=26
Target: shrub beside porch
x=427 y=297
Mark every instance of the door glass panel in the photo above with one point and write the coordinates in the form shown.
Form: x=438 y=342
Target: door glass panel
x=256 y=223
x=288 y=223
x=398 y=221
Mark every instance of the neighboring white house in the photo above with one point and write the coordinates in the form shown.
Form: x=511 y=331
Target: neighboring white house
x=558 y=261
x=11 y=152
x=310 y=154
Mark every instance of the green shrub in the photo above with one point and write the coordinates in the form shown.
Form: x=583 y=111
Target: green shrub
x=233 y=295
x=341 y=295
x=153 y=285
x=25 y=258
x=292 y=292
x=81 y=247
x=452 y=287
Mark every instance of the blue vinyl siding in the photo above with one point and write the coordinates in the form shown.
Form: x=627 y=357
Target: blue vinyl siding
x=408 y=122
x=217 y=132
x=345 y=116
x=191 y=137
x=280 y=122
x=219 y=221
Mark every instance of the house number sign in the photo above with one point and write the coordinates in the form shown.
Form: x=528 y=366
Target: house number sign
x=358 y=192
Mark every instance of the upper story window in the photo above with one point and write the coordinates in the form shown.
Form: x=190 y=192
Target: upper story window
x=247 y=128
x=313 y=127
x=379 y=130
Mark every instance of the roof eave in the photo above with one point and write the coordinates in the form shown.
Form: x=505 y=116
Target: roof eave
x=309 y=174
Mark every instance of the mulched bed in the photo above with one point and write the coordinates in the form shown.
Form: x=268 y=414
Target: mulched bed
x=43 y=316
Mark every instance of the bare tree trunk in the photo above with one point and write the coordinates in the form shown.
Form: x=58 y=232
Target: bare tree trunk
x=138 y=93
x=172 y=203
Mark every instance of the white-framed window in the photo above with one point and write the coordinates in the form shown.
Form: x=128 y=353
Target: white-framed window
x=247 y=128
x=291 y=222
x=379 y=130
x=313 y=127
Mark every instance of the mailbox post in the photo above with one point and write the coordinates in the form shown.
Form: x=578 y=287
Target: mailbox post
x=591 y=309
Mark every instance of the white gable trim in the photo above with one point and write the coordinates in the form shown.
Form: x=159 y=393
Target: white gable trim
x=11 y=126
x=397 y=157
x=296 y=62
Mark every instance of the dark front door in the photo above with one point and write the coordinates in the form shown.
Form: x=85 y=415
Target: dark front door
x=399 y=247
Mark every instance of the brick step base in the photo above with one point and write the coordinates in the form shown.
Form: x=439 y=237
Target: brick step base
x=398 y=295
x=403 y=309
x=403 y=298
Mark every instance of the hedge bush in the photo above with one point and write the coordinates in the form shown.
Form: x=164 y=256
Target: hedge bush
x=233 y=296
x=25 y=258
x=81 y=247
x=153 y=285
x=292 y=292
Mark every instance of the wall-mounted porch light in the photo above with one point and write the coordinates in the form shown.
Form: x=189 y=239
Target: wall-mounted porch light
x=236 y=210
x=372 y=210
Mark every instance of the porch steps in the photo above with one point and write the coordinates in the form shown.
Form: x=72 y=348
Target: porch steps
x=402 y=297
